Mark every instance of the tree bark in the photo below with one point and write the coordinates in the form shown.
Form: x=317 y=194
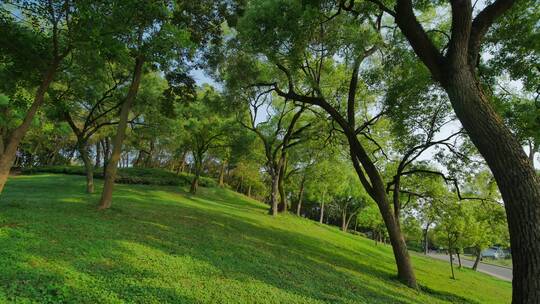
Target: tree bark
x=477 y=260
x=195 y=183
x=300 y=196
x=517 y=180
x=451 y=262
x=112 y=164
x=98 y=155
x=321 y=217
x=459 y=259
x=10 y=149
x=88 y=166
x=344 y=221
x=425 y=233
x=249 y=191
x=274 y=193
x=222 y=174
x=282 y=207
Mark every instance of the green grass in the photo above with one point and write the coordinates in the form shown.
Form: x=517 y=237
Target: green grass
x=160 y=245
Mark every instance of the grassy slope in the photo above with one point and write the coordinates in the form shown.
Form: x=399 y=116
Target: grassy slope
x=158 y=244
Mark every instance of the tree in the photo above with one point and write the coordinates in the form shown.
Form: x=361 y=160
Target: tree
x=207 y=125
x=305 y=60
x=151 y=36
x=57 y=26
x=455 y=68
x=279 y=132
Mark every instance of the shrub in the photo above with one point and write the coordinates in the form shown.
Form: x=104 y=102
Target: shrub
x=142 y=176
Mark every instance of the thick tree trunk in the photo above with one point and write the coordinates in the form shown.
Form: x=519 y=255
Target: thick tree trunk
x=10 y=149
x=478 y=252
x=112 y=164
x=517 y=180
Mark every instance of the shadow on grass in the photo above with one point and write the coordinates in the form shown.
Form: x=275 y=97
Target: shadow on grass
x=151 y=248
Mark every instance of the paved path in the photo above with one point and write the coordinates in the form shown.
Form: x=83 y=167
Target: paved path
x=502 y=273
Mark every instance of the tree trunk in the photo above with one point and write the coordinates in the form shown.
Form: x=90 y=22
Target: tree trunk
x=274 y=194
x=451 y=262
x=517 y=180
x=425 y=233
x=300 y=196
x=249 y=191
x=477 y=260
x=195 y=183
x=282 y=207
x=344 y=221
x=98 y=155
x=459 y=259
x=89 y=167
x=321 y=217
x=348 y=223
x=10 y=149
x=112 y=164
x=222 y=174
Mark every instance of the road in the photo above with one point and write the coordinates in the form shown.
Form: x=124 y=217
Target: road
x=502 y=273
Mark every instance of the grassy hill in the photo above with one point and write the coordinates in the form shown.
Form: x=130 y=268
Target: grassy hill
x=159 y=245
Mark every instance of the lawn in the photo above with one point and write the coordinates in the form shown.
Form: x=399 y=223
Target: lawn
x=159 y=244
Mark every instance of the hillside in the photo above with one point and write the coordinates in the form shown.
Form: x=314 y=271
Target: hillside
x=159 y=245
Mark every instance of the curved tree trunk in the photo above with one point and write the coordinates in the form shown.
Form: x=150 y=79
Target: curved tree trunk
x=10 y=150
x=517 y=180
x=112 y=163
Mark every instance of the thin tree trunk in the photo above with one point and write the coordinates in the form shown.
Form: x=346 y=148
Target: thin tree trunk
x=300 y=196
x=477 y=259
x=222 y=174
x=426 y=245
x=195 y=183
x=89 y=167
x=112 y=164
x=344 y=221
x=459 y=259
x=274 y=194
x=321 y=217
x=98 y=155
x=249 y=191
x=283 y=205
x=451 y=263
x=10 y=149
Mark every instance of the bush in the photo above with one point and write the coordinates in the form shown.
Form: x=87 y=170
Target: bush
x=141 y=176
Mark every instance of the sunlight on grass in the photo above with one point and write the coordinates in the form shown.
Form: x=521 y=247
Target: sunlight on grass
x=162 y=245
